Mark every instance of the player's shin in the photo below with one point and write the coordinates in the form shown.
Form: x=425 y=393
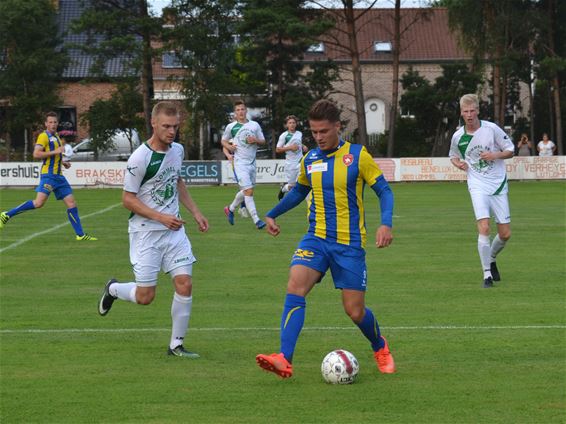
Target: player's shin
x=370 y=328
x=292 y=321
x=180 y=315
x=250 y=206
x=73 y=214
x=124 y=291
x=484 y=250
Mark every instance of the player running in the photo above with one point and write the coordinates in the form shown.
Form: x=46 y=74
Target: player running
x=336 y=172
x=291 y=143
x=153 y=189
x=50 y=149
x=241 y=139
x=479 y=148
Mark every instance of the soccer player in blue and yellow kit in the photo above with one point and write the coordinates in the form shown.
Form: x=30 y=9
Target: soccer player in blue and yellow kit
x=50 y=149
x=336 y=172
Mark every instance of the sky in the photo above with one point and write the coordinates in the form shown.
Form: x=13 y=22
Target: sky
x=157 y=5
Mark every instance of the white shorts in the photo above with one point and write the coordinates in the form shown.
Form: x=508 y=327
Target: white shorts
x=245 y=175
x=487 y=204
x=292 y=173
x=153 y=251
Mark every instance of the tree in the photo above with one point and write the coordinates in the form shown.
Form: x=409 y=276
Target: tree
x=122 y=112
x=122 y=29
x=201 y=42
x=345 y=40
x=435 y=106
x=275 y=36
x=31 y=63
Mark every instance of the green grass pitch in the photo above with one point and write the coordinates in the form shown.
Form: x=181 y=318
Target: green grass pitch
x=464 y=354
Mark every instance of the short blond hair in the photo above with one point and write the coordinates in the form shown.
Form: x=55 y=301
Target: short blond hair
x=166 y=108
x=469 y=99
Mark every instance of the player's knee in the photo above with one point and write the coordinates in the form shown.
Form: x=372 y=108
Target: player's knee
x=505 y=235
x=356 y=314
x=144 y=298
x=38 y=203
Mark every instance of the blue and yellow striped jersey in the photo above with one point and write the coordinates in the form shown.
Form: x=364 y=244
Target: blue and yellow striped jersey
x=53 y=164
x=337 y=179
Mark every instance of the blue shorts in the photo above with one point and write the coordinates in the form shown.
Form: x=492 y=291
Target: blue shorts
x=347 y=263
x=57 y=184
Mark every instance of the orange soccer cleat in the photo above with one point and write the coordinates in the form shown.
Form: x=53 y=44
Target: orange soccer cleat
x=275 y=363
x=384 y=359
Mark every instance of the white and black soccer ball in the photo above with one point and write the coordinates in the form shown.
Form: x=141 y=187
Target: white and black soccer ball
x=340 y=367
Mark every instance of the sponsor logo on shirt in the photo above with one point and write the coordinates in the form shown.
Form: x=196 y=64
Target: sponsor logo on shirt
x=317 y=167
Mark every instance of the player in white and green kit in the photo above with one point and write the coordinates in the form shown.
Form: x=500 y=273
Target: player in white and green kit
x=291 y=143
x=480 y=148
x=153 y=189
x=241 y=139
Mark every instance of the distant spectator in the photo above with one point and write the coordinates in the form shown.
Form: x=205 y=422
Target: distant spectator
x=524 y=146
x=546 y=147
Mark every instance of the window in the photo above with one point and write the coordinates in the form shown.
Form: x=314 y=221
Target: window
x=171 y=60
x=382 y=47
x=67 y=122
x=316 y=48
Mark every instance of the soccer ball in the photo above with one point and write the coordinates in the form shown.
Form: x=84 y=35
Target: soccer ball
x=340 y=367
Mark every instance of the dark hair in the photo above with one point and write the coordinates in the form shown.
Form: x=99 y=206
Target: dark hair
x=324 y=110
x=238 y=103
x=167 y=108
x=51 y=115
x=293 y=117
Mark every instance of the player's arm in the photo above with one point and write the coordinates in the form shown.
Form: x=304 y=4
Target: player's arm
x=384 y=235
x=135 y=205
x=187 y=201
x=503 y=143
x=455 y=155
x=291 y=199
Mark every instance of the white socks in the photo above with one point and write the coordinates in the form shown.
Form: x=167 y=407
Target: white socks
x=237 y=200
x=180 y=314
x=285 y=188
x=124 y=291
x=484 y=249
x=250 y=206
x=497 y=246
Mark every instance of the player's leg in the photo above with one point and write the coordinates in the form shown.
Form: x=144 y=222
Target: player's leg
x=64 y=192
x=178 y=262
x=40 y=199
x=354 y=305
x=481 y=205
x=349 y=273
x=145 y=256
x=307 y=268
x=501 y=212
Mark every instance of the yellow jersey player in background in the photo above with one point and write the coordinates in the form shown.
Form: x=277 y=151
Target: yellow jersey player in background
x=50 y=149
x=336 y=173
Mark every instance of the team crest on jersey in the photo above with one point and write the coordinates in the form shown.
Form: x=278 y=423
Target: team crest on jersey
x=348 y=159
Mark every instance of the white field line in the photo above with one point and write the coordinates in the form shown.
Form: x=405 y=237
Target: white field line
x=56 y=227
x=251 y=329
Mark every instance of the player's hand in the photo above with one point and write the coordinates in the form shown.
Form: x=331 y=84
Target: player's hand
x=489 y=156
x=251 y=139
x=67 y=165
x=463 y=165
x=202 y=222
x=294 y=147
x=171 y=221
x=272 y=227
x=383 y=236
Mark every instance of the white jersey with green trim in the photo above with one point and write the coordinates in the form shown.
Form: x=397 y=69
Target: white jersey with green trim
x=238 y=133
x=487 y=177
x=292 y=157
x=153 y=176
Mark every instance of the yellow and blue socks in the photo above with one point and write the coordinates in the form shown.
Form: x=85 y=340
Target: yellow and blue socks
x=26 y=206
x=292 y=321
x=73 y=214
x=370 y=329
